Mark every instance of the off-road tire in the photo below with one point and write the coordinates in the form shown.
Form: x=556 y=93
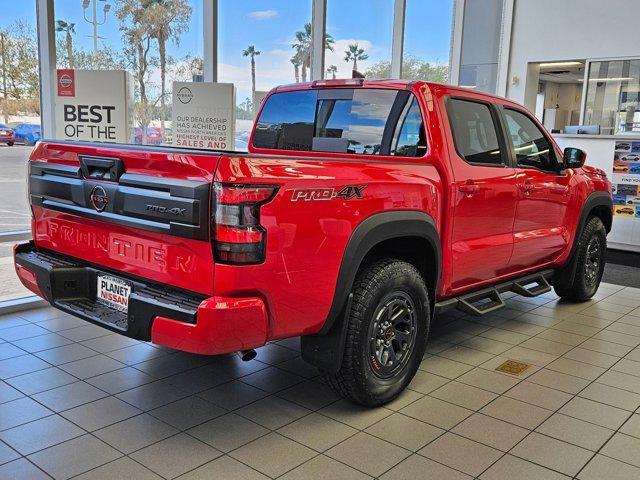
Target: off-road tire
x=583 y=288
x=377 y=281
x=10 y=144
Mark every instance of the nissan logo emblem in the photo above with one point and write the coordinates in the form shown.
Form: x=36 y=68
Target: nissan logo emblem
x=99 y=198
x=65 y=80
x=185 y=95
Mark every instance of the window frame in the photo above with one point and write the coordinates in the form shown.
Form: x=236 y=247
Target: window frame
x=559 y=171
x=403 y=98
x=505 y=152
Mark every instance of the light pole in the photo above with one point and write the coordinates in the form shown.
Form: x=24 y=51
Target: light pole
x=94 y=21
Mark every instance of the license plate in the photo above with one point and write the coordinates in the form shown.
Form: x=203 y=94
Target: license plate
x=113 y=292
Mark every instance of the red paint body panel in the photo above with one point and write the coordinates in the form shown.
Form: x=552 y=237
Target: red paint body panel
x=489 y=232
x=179 y=262
x=306 y=240
x=224 y=325
x=29 y=280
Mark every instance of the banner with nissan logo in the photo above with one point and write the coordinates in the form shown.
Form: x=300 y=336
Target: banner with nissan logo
x=203 y=115
x=94 y=105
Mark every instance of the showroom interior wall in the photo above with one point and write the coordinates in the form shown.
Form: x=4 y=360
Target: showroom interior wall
x=563 y=30
x=577 y=29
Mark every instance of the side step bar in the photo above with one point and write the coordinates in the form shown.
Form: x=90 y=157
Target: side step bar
x=489 y=299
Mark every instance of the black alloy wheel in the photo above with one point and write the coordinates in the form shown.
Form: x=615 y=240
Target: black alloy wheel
x=392 y=334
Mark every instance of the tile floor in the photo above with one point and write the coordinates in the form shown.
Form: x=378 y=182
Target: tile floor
x=78 y=401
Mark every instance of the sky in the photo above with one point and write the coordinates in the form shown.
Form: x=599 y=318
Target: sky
x=270 y=25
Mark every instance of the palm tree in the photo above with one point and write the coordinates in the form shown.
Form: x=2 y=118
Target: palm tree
x=169 y=18
x=295 y=61
x=353 y=53
x=68 y=29
x=303 y=47
x=251 y=51
x=332 y=70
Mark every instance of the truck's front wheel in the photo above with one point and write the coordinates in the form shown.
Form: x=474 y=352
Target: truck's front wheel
x=386 y=333
x=590 y=261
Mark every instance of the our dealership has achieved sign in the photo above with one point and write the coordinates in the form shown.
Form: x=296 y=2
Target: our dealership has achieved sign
x=204 y=115
x=93 y=105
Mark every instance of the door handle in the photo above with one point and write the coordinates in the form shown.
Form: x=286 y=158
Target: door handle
x=526 y=187
x=469 y=188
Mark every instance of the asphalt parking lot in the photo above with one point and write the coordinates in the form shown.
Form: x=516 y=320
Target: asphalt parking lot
x=14 y=213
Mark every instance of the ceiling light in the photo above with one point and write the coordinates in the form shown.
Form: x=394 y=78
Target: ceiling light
x=560 y=64
x=610 y=79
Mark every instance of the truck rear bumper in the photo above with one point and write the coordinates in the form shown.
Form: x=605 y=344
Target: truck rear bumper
x=165 y=315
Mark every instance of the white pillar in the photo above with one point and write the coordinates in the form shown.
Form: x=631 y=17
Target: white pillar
x=456 y=42
x=47 y=56
x=397 y=41
x=210 y=38
x=318 y=28
x=505 y=49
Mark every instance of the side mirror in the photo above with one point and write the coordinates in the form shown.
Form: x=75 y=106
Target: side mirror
x=573 y=157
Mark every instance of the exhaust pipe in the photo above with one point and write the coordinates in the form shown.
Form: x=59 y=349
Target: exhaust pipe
x=246 y=355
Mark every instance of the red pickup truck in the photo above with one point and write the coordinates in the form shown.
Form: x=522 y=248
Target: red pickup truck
x=362 y=209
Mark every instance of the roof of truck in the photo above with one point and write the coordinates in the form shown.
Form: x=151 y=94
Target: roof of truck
x=398 y=84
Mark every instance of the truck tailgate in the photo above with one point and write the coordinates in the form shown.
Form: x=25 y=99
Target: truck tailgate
x=140 y=211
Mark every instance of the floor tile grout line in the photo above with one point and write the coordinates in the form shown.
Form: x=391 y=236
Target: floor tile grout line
x=557 y=411
x=531 y=431
x=611 y=436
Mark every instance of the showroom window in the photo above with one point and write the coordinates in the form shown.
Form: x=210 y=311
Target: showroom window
x=261 y=45
x=427 y=50
x=612 y=99
x=125 y=55
x=481 y=45
x=20 y=114
x=359 y=33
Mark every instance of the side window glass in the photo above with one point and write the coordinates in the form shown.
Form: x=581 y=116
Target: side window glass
x=474 y=132
x=531 y=146
x=410 y=139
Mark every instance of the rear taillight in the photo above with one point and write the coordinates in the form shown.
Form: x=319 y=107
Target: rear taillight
x=238 y=237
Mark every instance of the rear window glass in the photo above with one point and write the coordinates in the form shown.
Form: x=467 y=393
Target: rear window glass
x=287 y=121
x=343 y=120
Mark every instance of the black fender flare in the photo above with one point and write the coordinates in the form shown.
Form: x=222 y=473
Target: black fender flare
x=566 y=275
x=325 y=348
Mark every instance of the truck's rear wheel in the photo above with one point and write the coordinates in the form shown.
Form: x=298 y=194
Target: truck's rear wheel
x=386 y=333
x=589 y=266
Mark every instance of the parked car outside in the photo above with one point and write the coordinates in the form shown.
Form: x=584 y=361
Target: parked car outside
x=154 y=136
x=27 y=133
x=7 y=135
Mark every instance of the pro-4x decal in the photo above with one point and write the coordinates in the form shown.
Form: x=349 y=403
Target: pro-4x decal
x=346 y=193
